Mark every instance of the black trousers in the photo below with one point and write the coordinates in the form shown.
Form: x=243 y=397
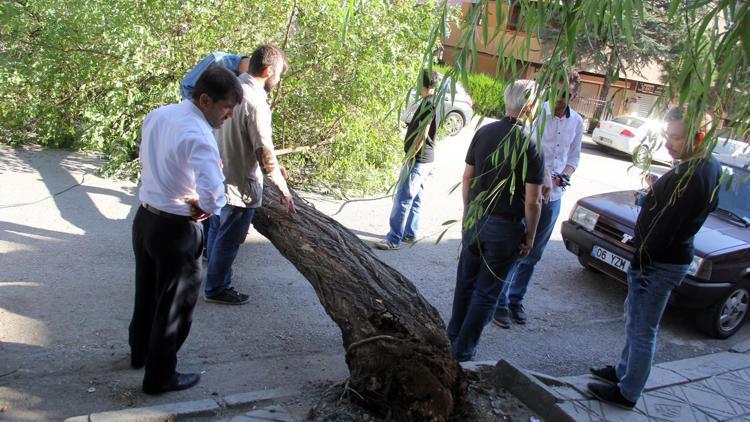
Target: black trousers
x=167 y=282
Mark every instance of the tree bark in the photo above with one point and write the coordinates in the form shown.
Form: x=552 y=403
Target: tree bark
x=396 y=347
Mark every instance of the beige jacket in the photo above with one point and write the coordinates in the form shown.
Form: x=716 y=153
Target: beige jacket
x=246 y=149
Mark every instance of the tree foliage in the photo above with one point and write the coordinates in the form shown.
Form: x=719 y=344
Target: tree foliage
x=83 y=74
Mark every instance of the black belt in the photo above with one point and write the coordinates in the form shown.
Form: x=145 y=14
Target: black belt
x=165 y=214
x=509 y=217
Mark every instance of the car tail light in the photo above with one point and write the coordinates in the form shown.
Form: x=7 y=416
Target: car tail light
x=627 y=133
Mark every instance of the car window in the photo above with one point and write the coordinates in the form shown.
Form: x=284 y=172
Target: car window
x=734 y=194
x=629 y=121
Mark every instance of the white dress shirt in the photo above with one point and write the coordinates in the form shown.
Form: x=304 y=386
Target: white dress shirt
x=179 y=158
x=561 y=142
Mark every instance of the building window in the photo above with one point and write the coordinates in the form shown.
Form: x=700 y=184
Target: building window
x=514 y=17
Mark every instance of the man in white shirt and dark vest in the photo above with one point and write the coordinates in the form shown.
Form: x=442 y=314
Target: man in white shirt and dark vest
x=181 y=185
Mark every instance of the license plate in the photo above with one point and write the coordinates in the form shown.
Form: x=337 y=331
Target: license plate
x=614 y=260
x=605 y=141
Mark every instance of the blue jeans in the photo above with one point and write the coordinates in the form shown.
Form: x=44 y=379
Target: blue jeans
x=520 y=275
x=648 y=293
x=228 y=231
x=404 y=221
x=488 y=252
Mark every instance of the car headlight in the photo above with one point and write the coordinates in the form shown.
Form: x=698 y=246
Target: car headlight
x=584 y=217
x=700 y=268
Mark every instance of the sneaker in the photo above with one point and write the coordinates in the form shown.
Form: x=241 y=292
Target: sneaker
x=387 y=245
x=409 y=240
x=517 y=313
x=228 y=296
x=610 y=394
x=501 y=318
x=606 y=374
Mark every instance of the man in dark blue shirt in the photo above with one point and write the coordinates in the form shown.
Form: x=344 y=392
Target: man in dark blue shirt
x=672 y=213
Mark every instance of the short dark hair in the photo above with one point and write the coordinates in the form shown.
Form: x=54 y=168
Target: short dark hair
x=429 y=79
x=674 y=115
x=264 y=56
x=218 y=83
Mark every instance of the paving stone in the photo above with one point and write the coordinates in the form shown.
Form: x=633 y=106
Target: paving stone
x=671 y=404
x=731 y=386
x=160 y=412
x=594 y=410
x=266 y=414
x=661 y=377
x=741 y=347
x=709 y=365
x=565 y=393
x=579 y=383
x=243 y=399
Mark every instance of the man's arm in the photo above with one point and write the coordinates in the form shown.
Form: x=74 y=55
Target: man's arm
x=204 y=159
x=259 y=129
x=533 y=208
x=466 y=185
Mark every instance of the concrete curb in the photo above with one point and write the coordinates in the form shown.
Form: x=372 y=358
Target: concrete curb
x=531 y=392
x=183 y=410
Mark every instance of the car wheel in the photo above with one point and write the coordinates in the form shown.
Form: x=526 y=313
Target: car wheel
x=454 y=122
x=725 y=317
x=587 y=265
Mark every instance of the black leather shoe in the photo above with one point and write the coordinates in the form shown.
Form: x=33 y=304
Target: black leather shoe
x=179 y=382
x=610 y=394
x=518 y=313
x=606 y=374
x=501 y=318
x=137 y=362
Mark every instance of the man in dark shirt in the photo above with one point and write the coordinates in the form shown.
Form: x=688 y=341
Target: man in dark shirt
x=672 y=213
x=419 y=146
x=502 y=186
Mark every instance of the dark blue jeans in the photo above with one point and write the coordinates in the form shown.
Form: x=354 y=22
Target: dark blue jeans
x=404 y=220
x=488 y=252
x=520 y=275
x=648 y=293
x=225 y=236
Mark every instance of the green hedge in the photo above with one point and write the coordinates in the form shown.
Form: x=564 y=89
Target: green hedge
x=485 y=91
x=487 y=94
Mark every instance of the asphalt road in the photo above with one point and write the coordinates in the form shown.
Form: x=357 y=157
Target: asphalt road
x=66 y=291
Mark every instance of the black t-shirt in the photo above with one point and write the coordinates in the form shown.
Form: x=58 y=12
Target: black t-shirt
x=500 y=152
x=425 y=110
x=666 y=225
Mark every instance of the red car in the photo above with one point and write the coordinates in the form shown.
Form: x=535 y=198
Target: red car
x=600 y=232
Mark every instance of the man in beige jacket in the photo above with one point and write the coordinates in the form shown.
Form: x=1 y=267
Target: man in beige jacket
x=247 y=153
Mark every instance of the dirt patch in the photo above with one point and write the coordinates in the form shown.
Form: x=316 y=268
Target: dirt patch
x=485 y=401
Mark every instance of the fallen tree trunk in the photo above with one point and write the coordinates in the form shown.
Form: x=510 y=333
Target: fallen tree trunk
x=396 y=347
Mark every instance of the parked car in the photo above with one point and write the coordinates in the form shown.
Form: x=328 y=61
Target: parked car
x=626 y=133
x=601 y=228
x=457 y=110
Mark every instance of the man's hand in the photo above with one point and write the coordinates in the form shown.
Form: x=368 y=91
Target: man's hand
x=288 y=202
x=197 y=213
x=526 y=244
x=546 y=187
x=283 y=171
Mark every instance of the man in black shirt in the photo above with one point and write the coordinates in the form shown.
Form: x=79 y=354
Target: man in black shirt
x=502 y=186
x=419 y=146
x=672 y=213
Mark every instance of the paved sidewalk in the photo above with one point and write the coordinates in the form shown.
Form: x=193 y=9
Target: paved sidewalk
x=713 y=387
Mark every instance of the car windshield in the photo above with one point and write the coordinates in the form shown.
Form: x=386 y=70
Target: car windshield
x=734 y=194
x=630 y=121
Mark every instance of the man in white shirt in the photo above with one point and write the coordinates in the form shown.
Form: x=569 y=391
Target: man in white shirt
x=561 y=131
x=181 y=184
x=247 y=152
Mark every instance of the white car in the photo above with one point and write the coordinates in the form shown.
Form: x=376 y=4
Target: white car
x=626 y=133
